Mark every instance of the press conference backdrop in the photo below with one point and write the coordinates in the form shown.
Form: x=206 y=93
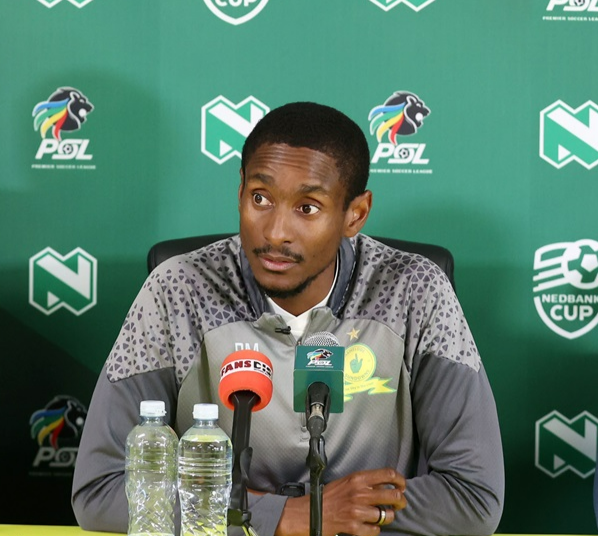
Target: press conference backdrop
x=123 y=122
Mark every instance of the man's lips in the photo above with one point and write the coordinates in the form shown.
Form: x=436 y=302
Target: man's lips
x=276 y=264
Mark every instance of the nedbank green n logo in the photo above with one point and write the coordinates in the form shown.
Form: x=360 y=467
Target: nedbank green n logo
x=416 y=5
x=568 y=134
x=57 y=281
x=566 y=444
x=52 y=3
x=225 y=126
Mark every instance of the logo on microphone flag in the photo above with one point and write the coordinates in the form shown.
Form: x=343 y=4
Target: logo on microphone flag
x=319 y=364
x=319 y=358
x=360 y=366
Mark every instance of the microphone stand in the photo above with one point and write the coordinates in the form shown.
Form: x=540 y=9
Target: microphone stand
x=317 y=463
x=317 y=405
x=238 y=511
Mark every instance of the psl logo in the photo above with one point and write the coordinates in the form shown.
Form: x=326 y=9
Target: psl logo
x=320 y=357
x=57 y=281
x=236 y=11
x=401 y=115
x=65 y=110
x=416 y=5
x=52 y=3
x=566 y=291
x=566 y=444
x=225 y=126
x=573 y=5
x=57 y=429
x=568 y=134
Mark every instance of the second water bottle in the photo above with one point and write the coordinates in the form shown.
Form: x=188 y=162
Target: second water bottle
x=204 y=477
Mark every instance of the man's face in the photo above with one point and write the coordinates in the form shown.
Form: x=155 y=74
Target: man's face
x=292 y=222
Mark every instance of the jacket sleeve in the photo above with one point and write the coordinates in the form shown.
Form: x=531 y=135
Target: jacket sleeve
x=139 y=367
x=459 y=487
x=460 y=484
x=98 y=496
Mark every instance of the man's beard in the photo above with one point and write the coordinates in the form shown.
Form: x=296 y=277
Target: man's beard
x=283 y=294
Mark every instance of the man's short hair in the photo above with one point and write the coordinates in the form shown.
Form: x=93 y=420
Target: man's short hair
x=321 y=128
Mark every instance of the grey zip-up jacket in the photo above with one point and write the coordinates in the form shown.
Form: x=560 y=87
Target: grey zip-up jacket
x=416 y=394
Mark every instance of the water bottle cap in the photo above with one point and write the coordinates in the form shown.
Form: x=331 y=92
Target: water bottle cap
x=152 y=408
x=205 y=411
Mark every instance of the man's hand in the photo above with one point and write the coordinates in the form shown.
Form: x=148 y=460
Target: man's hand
x=350 y=505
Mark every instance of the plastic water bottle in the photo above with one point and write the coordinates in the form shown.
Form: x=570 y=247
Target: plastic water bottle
x=151 y=473
x=205 y=474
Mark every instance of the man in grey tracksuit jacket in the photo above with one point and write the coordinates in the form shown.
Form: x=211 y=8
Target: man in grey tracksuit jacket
x=417 y=398
x=417 y=449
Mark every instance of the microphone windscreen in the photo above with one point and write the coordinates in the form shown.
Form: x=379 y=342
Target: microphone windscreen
x=321 y=338
x=246 y=370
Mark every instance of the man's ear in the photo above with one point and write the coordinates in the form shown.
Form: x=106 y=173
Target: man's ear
x=242 y=185
x=357 y=213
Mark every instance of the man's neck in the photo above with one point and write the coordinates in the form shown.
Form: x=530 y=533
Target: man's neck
x=298 y=323
x=296 y=307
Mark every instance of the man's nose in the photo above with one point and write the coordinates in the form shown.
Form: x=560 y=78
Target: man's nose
x=279 y=228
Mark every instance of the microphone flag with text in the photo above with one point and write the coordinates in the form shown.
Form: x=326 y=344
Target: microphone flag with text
x=319 y=379
x=318 y=388
x=245 y=386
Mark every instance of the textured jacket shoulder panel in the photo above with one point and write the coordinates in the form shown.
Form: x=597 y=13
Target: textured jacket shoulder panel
x=411 y=295
x=183 y=298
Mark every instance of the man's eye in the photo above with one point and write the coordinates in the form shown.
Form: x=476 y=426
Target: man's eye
x=308 y=209
x=259 y=199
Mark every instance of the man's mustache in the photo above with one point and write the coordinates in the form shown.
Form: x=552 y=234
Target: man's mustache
x=283 y=251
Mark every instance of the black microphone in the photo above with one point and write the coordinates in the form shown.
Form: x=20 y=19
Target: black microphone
x=317 y=407
x=245 y=387
x=319 y=379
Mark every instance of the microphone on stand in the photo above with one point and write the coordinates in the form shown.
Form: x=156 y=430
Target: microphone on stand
x=318 y=387
x=319 y=380
x=245 y=387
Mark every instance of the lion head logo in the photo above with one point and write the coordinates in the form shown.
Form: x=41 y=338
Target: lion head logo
x=66 y=109
x=62 y=418
x=402 y=114
x=316 y=355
